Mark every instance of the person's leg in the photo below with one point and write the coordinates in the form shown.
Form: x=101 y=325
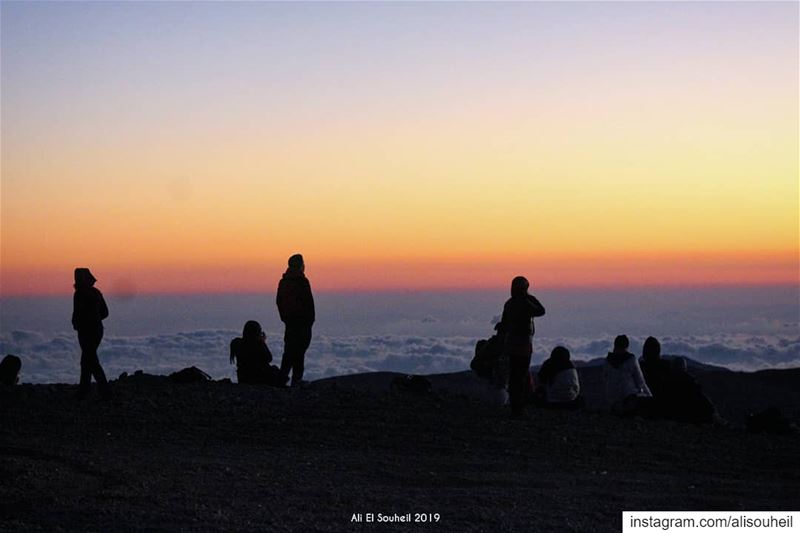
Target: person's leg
x=646 y=407
x=303 y=341
x=578 y=403
x=97 y=370
x=88 y=339
x=539 y=397
x=515 y=385
x=572 y=405
x=87 y=349
x=288 y=350
x=518 y=379
x=275 y=377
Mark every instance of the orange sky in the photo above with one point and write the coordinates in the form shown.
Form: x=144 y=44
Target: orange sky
x=402 y=274
x=176 y=150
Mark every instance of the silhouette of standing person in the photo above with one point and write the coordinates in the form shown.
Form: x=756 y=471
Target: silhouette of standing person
x=518 y=314
x=88 y=311
x=296 y=309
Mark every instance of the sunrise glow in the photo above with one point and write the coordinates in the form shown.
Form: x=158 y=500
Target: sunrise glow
x=192 y=147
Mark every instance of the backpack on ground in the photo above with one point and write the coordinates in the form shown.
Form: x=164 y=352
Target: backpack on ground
x=189 y=375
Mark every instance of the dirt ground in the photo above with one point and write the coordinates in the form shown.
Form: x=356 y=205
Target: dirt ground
x=222 y=456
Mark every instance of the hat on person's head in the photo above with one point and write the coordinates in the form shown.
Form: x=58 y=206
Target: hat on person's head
x=84 y=277
x=296 y=261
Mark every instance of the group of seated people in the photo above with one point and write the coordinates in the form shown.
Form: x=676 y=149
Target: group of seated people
x=656 y=388
x=659 y=388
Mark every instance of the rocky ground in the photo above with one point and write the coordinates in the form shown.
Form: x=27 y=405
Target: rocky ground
x=222 y=456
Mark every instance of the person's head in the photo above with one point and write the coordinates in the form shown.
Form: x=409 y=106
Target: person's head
x=252 y=330
x=296 y=262
x=621 y=343
x=559 y=353
x=84 y=278
x=651 y=349
x=519 y=286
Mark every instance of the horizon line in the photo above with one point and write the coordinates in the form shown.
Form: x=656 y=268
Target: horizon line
x=430 y=290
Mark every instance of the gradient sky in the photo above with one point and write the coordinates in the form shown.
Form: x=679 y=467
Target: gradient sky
x=179 y=147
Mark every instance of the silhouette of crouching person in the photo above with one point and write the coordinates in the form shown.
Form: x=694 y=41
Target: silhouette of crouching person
x=252 y=357
x=89 y=309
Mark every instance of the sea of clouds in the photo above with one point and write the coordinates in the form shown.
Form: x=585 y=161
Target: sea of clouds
x=421 y=333
x=56 y=358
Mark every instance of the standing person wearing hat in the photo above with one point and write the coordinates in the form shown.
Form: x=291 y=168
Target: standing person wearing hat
x=89 y=309
x=296 y=309
x=518 y=314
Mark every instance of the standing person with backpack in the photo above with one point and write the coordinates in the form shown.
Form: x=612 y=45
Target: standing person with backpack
x=296 y=309
x=89 y=309
x=518 y=314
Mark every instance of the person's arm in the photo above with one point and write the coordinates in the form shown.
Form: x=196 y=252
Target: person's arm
x=505 y=319
x=310 y=302
x=267 y=353
x=281 y=300
x=537 y=309
x=638 y=379
x=233 y=350
x=544 y=372
x=75 y=311
x=102 y=308
x=576 y=382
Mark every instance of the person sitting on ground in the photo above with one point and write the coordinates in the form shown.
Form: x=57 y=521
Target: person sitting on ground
x=487 y=352
x=559 y=384
x=627 y=392
x=684 y=398
x=490 y=364
x=252 y=357
x=654 y=369
x=656 y=372
x=9 y=369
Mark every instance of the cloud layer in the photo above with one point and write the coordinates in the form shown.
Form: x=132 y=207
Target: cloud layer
x=56 y=358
